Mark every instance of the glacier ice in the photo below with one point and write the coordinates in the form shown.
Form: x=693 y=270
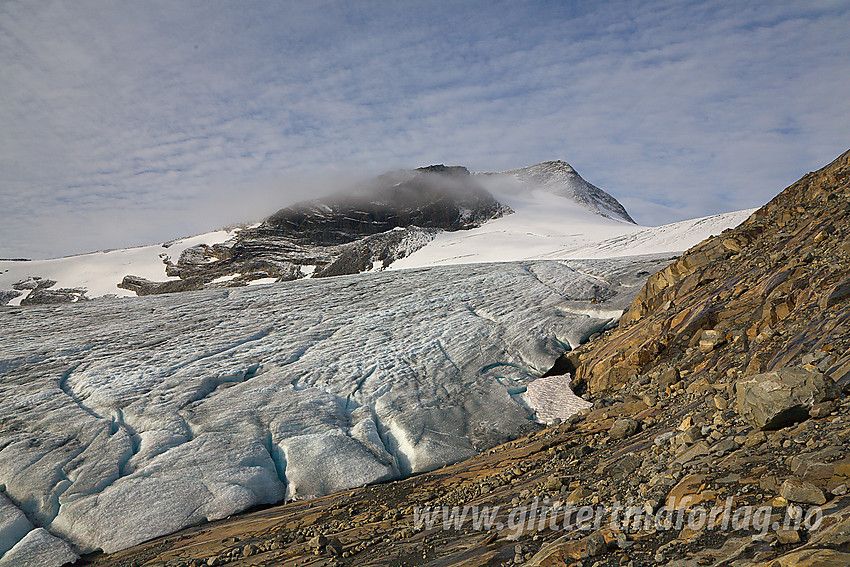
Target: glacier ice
x=208 y=478
x=123 y=420
x=39 y=549
x=13 y=525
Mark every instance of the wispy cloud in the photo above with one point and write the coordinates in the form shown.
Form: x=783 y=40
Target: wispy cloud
x=126 y=123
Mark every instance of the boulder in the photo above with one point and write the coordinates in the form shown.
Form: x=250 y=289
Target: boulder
x=595 y=544
x=578 y=495
x=8 y=295
x=625 y=466
x=334 y=547
x=732 y=245
x=668 y=377
x=798 y=490
x=687 y=493
x=562 y=551
x=318 y=541
x=786 y=537
x=782 y=397
x=622 y=428
x=694 y=452
x=710 y=340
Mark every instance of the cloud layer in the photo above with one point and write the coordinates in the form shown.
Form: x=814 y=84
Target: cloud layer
x=135 y=122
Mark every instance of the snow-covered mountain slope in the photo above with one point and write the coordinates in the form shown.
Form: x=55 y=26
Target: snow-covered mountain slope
x=560 y=179
x=431 y=216
x=664 y=239
x=125 y=420
x=547 y=225
x=559 y=215
x=100 y=272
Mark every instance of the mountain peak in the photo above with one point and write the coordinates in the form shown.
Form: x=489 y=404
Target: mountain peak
x=555 y=165
x=454 y=170
x=560 y=178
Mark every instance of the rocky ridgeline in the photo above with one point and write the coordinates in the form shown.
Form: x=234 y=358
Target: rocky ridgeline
x=723 y=390
x=768 y=294
x=350 y=233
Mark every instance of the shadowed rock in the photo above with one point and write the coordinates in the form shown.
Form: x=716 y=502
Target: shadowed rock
x=783 y=397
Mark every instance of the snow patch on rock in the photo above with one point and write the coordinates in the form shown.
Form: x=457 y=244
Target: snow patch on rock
x=553 y=399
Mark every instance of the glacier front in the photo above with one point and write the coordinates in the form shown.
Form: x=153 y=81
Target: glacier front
x=123 y=420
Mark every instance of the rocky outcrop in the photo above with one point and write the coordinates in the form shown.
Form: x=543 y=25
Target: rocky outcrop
x=33 y=282
x=349 y=233
x=376 y=251
x=144 y=286
x=54 y=296
x=8 y=295
x=39 y=291
x=767 y=294
x=783 y=397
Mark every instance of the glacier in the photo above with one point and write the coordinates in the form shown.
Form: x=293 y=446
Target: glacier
x=123 y=420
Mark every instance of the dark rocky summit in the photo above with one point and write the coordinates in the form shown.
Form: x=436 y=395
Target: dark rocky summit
x=431 y=197
x=347 y=233
x=724 y=388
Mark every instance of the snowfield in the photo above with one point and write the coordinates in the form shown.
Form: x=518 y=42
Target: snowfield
x=547 y=226
x=125 y=420
x=101 y=272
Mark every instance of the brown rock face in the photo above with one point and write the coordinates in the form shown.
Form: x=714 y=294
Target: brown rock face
x=756 y=298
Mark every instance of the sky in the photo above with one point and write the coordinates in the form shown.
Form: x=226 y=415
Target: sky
x=130 y=123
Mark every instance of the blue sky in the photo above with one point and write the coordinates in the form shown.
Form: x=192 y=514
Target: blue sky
x=125 y=123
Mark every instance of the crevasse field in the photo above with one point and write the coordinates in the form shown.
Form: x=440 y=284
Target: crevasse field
x=125 y=420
